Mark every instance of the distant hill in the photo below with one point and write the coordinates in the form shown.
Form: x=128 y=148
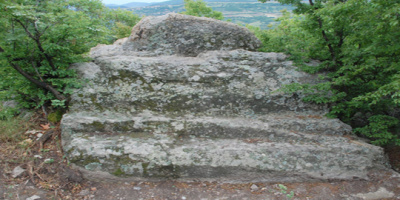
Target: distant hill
x=129 y=5
x=239 y=11
x=115 y=6
x=176 y=2
x=170 y=2
x=137 y=4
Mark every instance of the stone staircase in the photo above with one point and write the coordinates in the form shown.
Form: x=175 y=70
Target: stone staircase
x=215 y=113
x=147 y=117
x=240 y=149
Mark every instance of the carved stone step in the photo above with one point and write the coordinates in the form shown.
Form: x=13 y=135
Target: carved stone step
x=214 y=83
x=266 y=148
x=273 y=126
x=257 y=159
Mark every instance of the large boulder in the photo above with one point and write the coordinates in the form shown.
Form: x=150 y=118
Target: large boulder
x=188 y=35
x=183 y=35
x=194 y=111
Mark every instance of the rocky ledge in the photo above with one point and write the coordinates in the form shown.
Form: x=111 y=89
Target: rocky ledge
x=199 y=103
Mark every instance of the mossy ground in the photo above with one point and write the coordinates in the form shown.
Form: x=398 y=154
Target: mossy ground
x=56 y=116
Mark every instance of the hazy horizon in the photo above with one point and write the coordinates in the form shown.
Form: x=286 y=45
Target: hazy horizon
x=120 y=2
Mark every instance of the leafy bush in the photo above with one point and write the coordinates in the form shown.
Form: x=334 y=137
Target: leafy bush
x=199 y=8
x=8 y=112
x=120 y=22
x=380 y=128
x=358 y=44
x=42 y=39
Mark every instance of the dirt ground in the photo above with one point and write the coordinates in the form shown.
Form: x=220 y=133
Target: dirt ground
x=46 y=175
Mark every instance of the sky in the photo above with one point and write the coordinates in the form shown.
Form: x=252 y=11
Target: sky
x=119 y=2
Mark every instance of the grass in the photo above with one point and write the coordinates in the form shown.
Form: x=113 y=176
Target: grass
x=12 y=128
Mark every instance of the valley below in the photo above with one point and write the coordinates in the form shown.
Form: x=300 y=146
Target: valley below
x=243 y=12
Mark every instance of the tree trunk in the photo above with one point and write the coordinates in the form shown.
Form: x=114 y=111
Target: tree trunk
x=43 y=85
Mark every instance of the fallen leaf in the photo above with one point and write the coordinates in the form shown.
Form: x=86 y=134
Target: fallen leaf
x=45 y=126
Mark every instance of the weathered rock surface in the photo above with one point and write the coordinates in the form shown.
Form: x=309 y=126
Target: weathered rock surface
x=199 y=112
x=183 y=35
x=187 y=35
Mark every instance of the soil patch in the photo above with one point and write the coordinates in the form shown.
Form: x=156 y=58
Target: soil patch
x=393 y=153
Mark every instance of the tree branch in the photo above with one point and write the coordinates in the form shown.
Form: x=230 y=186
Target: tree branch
x=331 y=50
x=26 y=29
x=43 y=85
x=39 y=44
x=324 y=35
x=36 y=38
x=36 y=70
x=44 y=30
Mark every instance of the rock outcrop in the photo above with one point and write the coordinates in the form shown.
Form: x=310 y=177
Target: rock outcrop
x=188 y=36
x=156 y=105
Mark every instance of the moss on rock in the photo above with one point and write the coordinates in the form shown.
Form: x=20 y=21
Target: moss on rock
x=55 y=117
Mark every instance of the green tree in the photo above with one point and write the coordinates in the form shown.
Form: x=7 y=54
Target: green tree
x=289 y=36
x=358 y=44
x=199 y=8
x=43 y=37
x=121 y=22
